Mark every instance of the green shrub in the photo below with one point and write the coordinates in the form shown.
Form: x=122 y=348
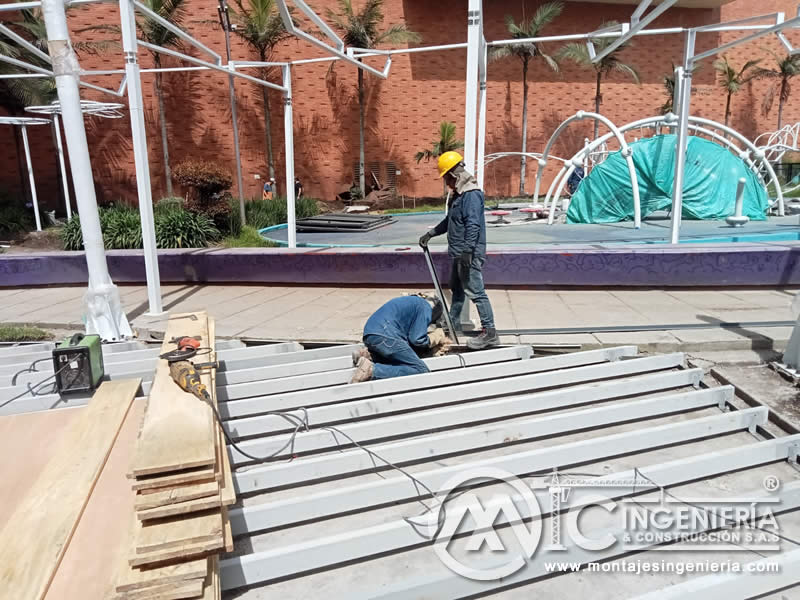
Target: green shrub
x=121 y=226
x=184 y=229
x=232 y=225
x=168 y=204
x=23 y=333
x=266 y=213
x=248 y=238
x=71 y=236
x=14 y=216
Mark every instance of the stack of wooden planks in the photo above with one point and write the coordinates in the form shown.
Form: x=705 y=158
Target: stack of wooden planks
x=182 y=482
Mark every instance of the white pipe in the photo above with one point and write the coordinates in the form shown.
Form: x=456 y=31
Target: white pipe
x=30 y=177
x=474 y=34
x=104 y=313
x=60 y=149
x=479 y=159
x=566 y=171
x=176 y=30
x=636 y=27
x=140 y=157
x=25 y=44
x=288 y=133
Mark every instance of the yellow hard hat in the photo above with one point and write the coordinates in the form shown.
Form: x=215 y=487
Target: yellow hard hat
x=447 y=161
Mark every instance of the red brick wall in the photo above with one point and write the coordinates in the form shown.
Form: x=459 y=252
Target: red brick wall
x=403 y=111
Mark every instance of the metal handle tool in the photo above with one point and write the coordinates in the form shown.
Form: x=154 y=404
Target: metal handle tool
x=439 y=292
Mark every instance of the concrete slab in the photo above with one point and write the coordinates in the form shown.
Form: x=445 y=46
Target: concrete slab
x=646 y=341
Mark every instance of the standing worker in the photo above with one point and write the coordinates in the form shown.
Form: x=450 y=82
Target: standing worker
x=465 y=227
x=394 y=335
x=269 y=189
x=298 y=189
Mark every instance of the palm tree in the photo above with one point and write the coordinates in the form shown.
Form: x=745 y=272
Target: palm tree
x=786 y=67
x=578 y=53
x=447 y=141
x=259 y=24
x=732 y=81
x=362 y=30
x=525 y=52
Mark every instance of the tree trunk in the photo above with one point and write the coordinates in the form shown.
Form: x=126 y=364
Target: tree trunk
x=597 y=100
x=727 y=109
x=268 y=122
x=162 y=119
x=361 y=182
x=523 y=161
x=780 y=103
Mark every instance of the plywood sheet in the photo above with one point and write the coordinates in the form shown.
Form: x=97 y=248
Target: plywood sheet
x=176 y=495
x=54 y=503
x=177 y=431
x=88 y=569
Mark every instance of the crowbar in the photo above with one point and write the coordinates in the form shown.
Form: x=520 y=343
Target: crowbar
x=439 y=292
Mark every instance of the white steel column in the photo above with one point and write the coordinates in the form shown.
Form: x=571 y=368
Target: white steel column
x=139 y=136
x=60 y=149
x=28 y=162
x=288 y=134
x=683 y=133
x=474 y=35
x=104 y=313
x=479 y=159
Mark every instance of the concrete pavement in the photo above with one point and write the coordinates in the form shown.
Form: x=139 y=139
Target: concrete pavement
x=307 y=313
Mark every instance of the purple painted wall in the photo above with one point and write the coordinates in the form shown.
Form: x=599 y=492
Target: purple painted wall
x=737 y=264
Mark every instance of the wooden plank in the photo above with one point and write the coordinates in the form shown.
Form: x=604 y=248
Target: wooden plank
x=56 y=501
x=227 y=489
x=180 y=508
x=189 y=589
x=195 y=550
x=160 y=482
x=175 y=532
x=176 y=495
x=177 y=431
x=88 y=569
x=35 y=434
x=227 y=531
x=213 y=589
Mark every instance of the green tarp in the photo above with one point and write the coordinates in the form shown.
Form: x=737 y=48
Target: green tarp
x=709 y=188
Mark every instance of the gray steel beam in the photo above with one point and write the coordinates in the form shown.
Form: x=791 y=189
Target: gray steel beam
x=26 y=348
x=391 y=490
x=451 y=585
x=479 y=412
x=343 y=376
x=285 y=370
x=22 y=360
x=253 y=406
x=140 y=368
x=374 y=407
x=755 y=580
x=395 y=536
x=348 y=462
x=251 y=357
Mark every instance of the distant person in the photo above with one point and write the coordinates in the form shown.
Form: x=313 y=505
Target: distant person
x=575 y=179
x=465 y=227
x=269 y=188
x=396 y=334
x=298 y=189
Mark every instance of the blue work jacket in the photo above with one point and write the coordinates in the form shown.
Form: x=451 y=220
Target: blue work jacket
x=465 y=225
x=406 y=318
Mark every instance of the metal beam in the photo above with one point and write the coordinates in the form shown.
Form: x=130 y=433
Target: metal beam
x=636 y=26
x=481 y=412
x=254 y=406
x=450 y=585
x=531 y=461
x=428 y=398
x=755 y=580
x=176 y=30
x=396 y=536
x=304 y=471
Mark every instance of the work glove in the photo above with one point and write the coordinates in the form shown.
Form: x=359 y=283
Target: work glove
x=423 y=241
x=437 y=337
x=464 y=263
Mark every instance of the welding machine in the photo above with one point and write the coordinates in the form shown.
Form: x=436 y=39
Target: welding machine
x=78 y=364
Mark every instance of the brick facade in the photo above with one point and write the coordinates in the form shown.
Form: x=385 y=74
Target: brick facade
x=403 y=111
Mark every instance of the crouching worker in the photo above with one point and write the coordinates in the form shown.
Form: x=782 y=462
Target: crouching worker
x=396 y=334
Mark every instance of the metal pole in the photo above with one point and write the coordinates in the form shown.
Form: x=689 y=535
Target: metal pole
x=288 y=134
x=140 y=157
x=683 y=134
x=479 y=159
x=225 y=22
x=440 y=293
x=60 y=148
x=104 y=313
x=34 y=199
x=474 y=34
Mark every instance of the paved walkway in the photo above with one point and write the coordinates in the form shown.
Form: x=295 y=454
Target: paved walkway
x=338 y=314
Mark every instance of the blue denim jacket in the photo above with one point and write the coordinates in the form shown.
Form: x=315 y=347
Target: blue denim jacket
x=465 y=225
x=406 y=318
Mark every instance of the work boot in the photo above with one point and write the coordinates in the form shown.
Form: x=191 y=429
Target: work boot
x=358 y=354
x=486 y=339
x=363 y=370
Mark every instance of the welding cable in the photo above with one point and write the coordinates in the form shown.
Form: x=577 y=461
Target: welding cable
x=32 y=388
x=29 y=369
x=663 y=490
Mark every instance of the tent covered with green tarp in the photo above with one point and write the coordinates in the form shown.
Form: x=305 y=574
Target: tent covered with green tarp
x=709 y=187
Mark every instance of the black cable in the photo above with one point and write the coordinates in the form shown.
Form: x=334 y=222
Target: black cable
x=29 y=369
x=32 y=389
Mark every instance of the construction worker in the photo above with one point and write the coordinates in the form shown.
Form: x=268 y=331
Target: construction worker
x=269 y=189
x=465 y=227
x=395 y=335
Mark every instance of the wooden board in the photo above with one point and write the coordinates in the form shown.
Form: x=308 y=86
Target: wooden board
x=180 y=508
x=227 y=490
x=189 y=589
x=88 y=569
x=55 y=502
x=176 y=532
x=36 y=436
x=176 y=495
x=195 y=550
x=177 y=431
x=213 y=589
x=160 y=482
x=227 y=531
